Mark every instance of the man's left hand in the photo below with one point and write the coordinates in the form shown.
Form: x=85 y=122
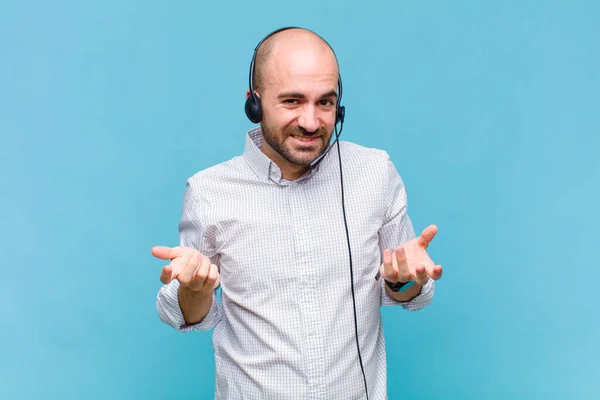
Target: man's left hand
x=410 y=262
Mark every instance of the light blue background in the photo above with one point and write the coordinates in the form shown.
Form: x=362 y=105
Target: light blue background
x=490 y=111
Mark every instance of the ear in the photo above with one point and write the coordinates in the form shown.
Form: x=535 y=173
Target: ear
x=247 y=94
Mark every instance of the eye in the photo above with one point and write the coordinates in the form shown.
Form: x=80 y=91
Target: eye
x=290 y=101
x=326 y=102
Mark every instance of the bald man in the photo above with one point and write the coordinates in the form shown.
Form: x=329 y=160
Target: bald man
x=299 y=316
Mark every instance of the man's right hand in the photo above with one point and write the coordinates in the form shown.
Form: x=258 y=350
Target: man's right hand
x=191 y=268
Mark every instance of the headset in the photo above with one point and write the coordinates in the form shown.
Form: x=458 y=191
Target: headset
x=253 y=107
x=253 y=111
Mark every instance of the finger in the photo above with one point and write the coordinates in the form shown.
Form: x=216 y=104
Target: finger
x=178 y=264
x=212 y=280
x=421 y=275
x=401 y=258
x=404 y=273
x=436 y=272
x=188 y=265
x=388 y=265
x=427 y=236
x=201 y=273
x=166 y=253
x=166 y=275
x=432 y=270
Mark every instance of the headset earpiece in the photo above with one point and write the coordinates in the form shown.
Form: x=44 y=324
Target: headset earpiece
x=340 y=110
x=340 y=113
x=253 y=108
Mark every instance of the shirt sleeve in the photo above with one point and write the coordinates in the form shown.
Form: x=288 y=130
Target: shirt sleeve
x=192 y=233
x=396 y=230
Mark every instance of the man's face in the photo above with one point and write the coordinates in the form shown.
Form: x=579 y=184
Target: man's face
x=298 y=101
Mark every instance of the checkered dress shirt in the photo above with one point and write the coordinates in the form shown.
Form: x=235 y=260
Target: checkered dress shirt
x=284 y=326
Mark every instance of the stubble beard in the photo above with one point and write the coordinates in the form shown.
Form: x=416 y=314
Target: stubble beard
x=297 y=155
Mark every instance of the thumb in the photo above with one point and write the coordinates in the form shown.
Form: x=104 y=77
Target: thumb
x=166 y=253
x=427 y=235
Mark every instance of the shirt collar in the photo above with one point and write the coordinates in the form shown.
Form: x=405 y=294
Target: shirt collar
x=263 y=166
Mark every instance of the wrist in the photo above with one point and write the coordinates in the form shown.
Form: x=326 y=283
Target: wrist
x=399 y=286
x=194 y=305
x=406 y=295
x=191 y=293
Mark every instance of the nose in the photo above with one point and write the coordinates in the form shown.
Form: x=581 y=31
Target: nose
x=308 y=119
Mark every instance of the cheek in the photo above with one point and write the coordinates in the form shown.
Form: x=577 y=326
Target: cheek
x=279 y=117
x=328 y=120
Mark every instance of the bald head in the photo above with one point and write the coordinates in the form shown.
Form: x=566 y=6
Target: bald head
x=283 y=47
x=296 y=76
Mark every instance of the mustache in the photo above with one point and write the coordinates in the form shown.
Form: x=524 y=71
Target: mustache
x=300 y=131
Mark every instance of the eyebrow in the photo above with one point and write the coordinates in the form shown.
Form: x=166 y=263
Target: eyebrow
x=297 y=95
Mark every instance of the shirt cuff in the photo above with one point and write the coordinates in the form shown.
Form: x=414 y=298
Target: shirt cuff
x=422 y=300
x=169 y=310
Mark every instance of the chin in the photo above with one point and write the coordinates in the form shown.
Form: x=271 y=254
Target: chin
x=303 y=157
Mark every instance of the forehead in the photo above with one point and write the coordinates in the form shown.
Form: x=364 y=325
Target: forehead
x=306 y=68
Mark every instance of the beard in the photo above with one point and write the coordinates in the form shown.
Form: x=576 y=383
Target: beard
x=294 y=154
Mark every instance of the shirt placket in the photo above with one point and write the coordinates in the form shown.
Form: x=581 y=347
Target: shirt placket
x=308 y=278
